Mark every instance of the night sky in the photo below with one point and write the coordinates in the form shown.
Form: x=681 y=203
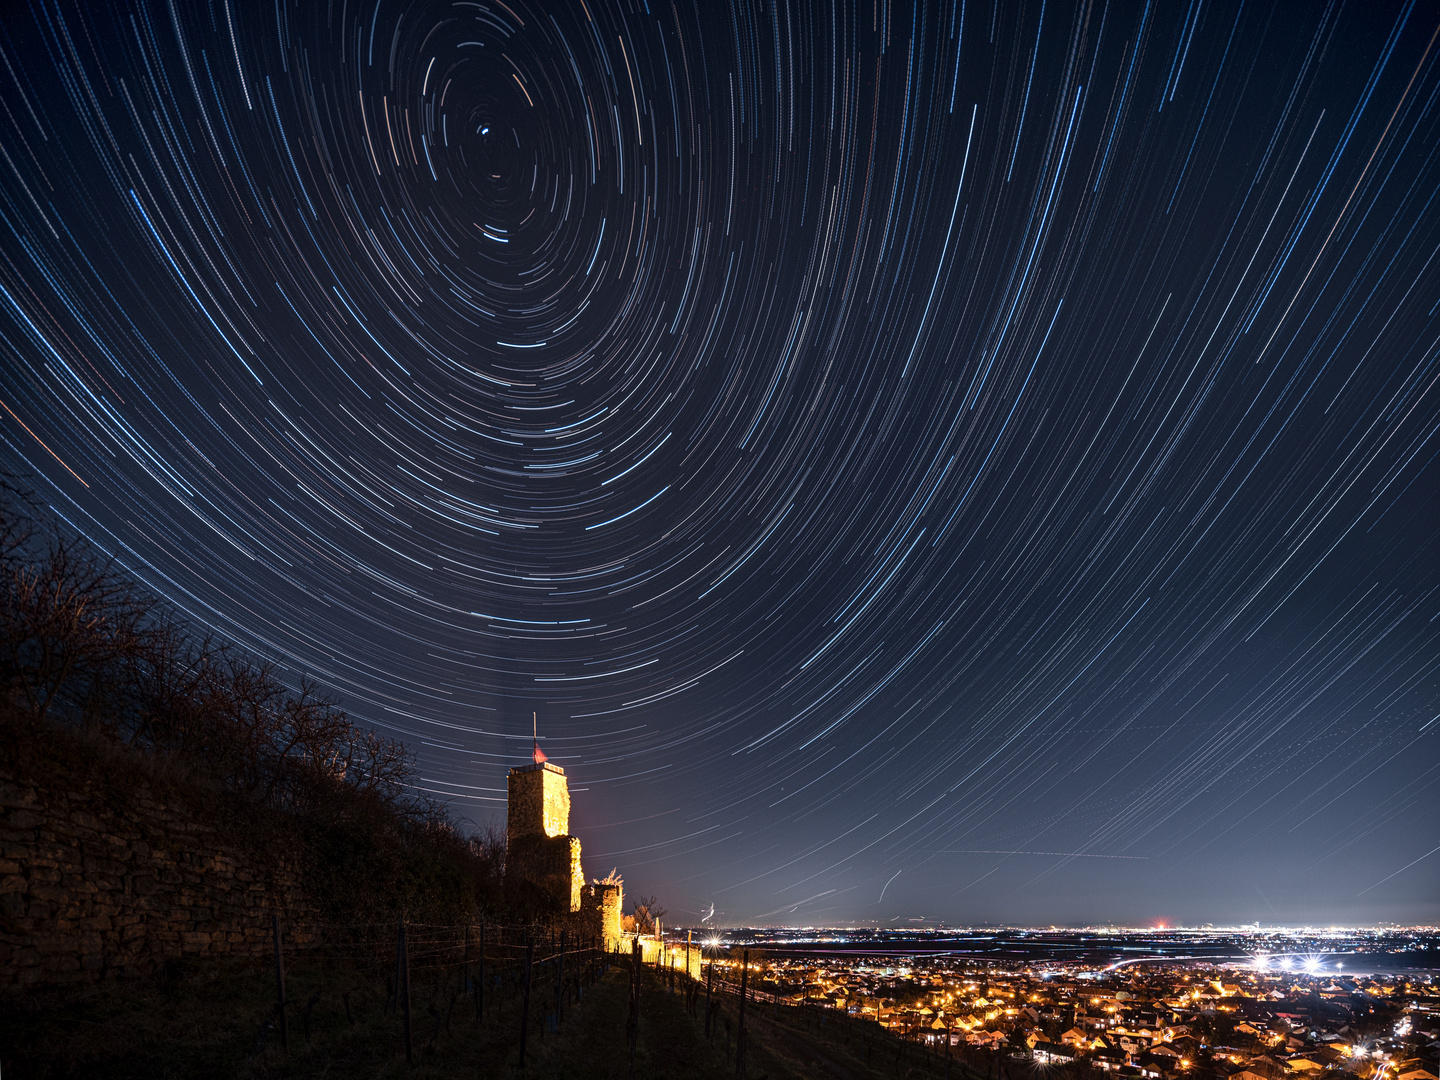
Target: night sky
x=973 y=463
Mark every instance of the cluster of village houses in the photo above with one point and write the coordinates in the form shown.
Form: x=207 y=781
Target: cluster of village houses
x=1164 y=1023
x=1170 y=1023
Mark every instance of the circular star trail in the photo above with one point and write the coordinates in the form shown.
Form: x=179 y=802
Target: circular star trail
x=966 y=462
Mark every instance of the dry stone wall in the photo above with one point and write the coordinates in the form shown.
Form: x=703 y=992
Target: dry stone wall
x=106 y=873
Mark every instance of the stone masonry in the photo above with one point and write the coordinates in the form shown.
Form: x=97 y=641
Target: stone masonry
x=100 y=879
x=537 y=801
x=540 y=855
x=542 y=861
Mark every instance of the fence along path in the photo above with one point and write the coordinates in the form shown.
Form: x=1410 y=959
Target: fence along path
x=498 y=974
x=518 y=984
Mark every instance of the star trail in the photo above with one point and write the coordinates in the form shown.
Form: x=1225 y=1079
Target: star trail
x=967 y=462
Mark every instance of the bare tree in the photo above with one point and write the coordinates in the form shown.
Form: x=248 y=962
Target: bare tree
x=488 y=845
x=68 y=623
x=647 y=913
x=82 y=642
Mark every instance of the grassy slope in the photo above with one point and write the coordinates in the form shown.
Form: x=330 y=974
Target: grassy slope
x=205 y=1023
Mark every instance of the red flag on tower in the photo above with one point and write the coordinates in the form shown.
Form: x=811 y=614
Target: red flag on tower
x=539 y=754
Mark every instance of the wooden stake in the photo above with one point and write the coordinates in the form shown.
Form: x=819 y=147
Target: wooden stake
x=632 y=1026
x=405 y=994
x=740 y=1037
x=560 y=984
x=280 y=985
x=525 y=999
x=480 y=989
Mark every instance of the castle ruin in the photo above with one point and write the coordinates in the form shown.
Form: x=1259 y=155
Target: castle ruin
x=543 y=877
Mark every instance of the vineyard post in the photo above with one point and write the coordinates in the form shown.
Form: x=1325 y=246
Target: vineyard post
x=280 y=985
x=480 y=988
x=525 y=999
x=560 y=984
x=632 y=1026
x=740 y=1036
x=405 y=994
x=392 y=1004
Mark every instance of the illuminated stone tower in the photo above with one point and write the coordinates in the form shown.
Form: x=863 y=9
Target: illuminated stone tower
x=542 y=859
x=539 y=801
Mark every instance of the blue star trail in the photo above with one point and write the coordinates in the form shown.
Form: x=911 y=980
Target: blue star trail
x=980 y=456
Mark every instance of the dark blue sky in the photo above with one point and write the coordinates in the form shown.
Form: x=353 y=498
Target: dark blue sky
x=969 y=463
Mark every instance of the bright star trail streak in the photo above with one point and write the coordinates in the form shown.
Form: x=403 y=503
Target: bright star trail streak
x=898 y=452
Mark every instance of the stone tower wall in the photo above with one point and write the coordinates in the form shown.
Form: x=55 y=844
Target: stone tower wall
x=543 y=872
x=542 y=861
x=538 y=800
x=577 y=876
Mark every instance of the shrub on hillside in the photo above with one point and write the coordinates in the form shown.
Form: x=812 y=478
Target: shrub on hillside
x=83 y=646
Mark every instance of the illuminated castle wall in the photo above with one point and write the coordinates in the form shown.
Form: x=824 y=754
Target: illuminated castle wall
x=539 y=801
x=542 y=859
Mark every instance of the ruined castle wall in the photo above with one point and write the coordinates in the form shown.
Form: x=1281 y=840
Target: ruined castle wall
x=612 y=900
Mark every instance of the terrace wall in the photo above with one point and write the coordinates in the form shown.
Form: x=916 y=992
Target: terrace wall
x=107 y=871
